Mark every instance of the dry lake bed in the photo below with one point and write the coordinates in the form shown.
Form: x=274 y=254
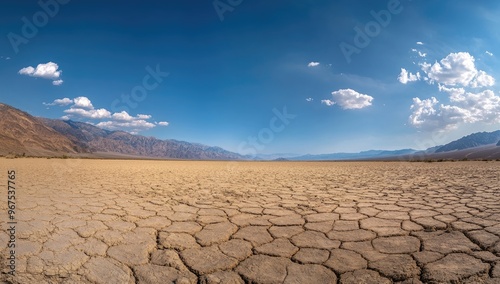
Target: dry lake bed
x=130 y=221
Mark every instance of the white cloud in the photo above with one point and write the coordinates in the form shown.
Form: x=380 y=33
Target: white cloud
x=466 y=108
x=49 y=70
x=91 y=113
x=483 y=106
x=457 y=69
x=81 y=107
x=405 y=76
x=421 y=54
x=482 y=80
x=134 y=126
x=27 y=71
x=328 y=102
x=420 y=43
x=60 y=102
x=143 y=116
x=454 y=92
x=349 y=99
x=427 y=115
x=313 y=64
x=456 y=75
x=123 y=116
x=57 y=82
x=309 y=99
x=83 y=102
x=489 y=53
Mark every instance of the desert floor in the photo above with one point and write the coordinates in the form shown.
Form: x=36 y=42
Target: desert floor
x=119 y=221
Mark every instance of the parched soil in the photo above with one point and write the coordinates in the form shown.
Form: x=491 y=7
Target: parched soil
x=119 y=221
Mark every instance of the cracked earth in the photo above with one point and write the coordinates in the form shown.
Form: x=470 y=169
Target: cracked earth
x=104 y=221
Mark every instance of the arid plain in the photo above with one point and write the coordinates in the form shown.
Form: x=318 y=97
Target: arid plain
x=131 y=221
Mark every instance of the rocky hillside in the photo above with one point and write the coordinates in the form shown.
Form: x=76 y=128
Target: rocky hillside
x=99 y=140
x=22 y=133
x=471 y=141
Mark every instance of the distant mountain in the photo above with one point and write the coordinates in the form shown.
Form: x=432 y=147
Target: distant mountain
x=22 y=133
x=274 y=156
x=471 y=141
x=100 y=140
x=371 y=154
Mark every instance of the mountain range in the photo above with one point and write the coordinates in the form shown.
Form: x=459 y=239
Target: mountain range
x=24 y=134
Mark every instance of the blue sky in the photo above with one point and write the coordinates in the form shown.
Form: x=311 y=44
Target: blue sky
x=259 y=76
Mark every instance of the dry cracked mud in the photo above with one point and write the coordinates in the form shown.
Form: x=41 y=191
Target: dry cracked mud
x=108 y=221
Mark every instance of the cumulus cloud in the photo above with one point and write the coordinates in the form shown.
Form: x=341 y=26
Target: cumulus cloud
x=134 y=126
x=309 y=99
x=83 y=102
x=458 y=76
x=60 y=102
x=430 y=116
x=313 y=64
x=466 y=107
x=405 y=76
x=328 y=102
x=457 y=69
x=489 y=53
x=420 y=43
x=483 y=106
x=349 y=99
x=143 y=116
x=82 y=107
x=482 y=80
x=123 y=116
x=89 y=113
x=49 y=70
x=453 y=92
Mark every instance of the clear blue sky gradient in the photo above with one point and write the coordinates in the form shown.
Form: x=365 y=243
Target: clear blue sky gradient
x=226 y=76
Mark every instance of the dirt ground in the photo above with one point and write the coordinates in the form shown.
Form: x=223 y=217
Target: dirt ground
x=125 y=221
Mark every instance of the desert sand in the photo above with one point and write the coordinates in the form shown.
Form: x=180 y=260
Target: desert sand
x=124 y=221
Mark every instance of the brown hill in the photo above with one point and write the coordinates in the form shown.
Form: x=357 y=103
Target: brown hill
x=104 y=141
x=22 y=133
